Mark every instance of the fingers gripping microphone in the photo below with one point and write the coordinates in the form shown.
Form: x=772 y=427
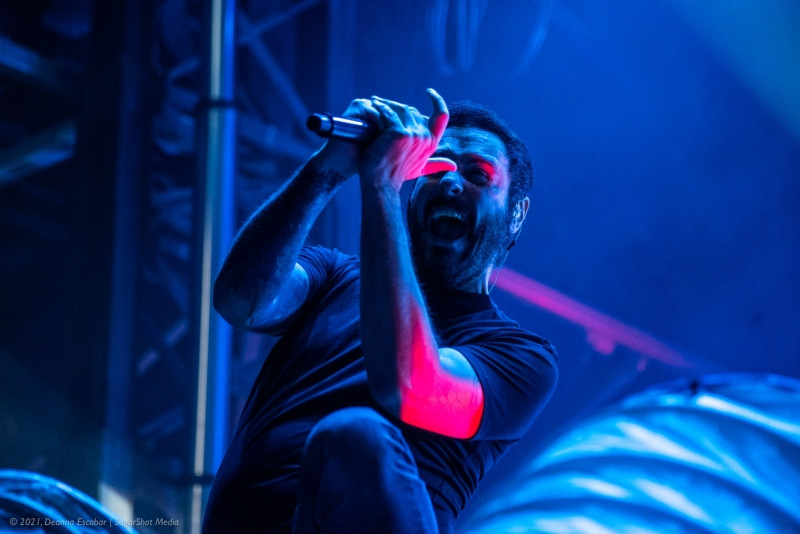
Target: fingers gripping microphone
x=353 y=130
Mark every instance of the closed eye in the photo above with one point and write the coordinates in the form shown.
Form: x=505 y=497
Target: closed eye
x=477 y=175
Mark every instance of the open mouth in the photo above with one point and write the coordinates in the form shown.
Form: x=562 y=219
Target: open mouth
x=448 y=223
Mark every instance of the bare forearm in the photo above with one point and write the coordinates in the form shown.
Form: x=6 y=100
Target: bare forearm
x=398 y=343
x=266 y=249
x=425 y=385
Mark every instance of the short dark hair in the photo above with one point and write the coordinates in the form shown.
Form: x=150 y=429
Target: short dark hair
x=467 y=114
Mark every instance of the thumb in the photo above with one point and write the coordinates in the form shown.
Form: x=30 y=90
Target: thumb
x=436 y=165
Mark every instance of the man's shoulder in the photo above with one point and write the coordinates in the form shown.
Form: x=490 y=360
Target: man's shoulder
x=473 y=320
x=326 y=253
x=325 y=261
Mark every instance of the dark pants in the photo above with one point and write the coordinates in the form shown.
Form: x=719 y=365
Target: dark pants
x=358 y=476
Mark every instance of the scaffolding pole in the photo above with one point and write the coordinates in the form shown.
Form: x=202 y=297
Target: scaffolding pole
x=216 y=170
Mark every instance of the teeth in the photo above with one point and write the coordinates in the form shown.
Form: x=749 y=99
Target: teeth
x=447 y=212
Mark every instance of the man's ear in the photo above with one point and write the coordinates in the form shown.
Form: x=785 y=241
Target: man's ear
x=518 y=215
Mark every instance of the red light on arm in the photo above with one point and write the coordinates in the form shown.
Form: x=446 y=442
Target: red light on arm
x=439 y=390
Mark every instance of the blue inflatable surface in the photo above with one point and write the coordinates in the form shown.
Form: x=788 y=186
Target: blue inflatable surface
x=720 y=454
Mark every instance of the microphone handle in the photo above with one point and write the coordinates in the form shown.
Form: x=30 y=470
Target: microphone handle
x=353 y=130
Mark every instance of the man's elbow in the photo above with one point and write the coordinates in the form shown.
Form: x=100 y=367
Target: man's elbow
x=385 y=395
x=448 y=421
x=453 y=409
x=231 y=306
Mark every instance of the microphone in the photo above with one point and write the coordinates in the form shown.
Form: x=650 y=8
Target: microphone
x=353 y=130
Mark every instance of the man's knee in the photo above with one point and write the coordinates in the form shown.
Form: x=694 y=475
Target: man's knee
x=359 y=475
x=352 y=433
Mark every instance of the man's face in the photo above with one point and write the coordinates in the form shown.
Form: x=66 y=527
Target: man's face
x=458 y=221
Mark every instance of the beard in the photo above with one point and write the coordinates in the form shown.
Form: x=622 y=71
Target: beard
x=448 y=268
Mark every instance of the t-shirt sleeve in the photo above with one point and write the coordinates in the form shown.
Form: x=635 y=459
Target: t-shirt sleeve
x=324 y=268
x=316 y=262
x=518 y=373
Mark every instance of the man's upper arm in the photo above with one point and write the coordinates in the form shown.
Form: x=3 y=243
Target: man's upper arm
x=273 y=317
x=489 y=389
x=518 y=373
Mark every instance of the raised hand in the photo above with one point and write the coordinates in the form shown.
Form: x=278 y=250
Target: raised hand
x=408 y=139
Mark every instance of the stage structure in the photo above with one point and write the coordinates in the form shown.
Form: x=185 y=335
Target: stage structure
x=218 y=132
x=122 y=190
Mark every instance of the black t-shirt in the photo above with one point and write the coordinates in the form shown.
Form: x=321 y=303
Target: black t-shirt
x=317 y=367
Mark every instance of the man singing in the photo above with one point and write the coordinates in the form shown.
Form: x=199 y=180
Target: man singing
x=396 y=383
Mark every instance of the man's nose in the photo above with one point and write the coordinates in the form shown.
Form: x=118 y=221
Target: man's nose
x=452 y=184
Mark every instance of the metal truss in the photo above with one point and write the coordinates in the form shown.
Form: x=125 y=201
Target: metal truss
x=153 y=359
